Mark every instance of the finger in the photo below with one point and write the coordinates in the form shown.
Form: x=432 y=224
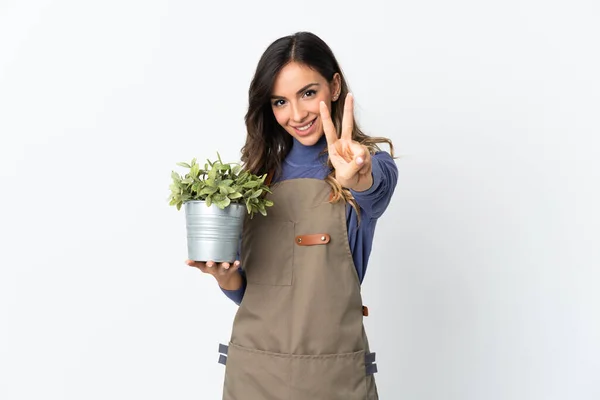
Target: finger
x=225 y=265
x=228 y=268
x=348 y=118
x=361 y=160
x=196 y=264
x=367 y=160
x=366 y=165
x=328 y=126
x=365 y=170
x=360 y=154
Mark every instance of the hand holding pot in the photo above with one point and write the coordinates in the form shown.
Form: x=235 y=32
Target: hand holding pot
x=225 y=273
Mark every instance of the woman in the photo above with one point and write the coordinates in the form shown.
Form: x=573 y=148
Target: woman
x=298 y=333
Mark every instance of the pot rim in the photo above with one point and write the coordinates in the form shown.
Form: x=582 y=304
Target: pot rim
x=203 y=201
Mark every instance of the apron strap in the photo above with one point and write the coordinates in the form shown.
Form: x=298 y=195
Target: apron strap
x=269 y=178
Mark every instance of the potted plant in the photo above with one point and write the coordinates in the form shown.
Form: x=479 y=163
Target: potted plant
x=216 y=199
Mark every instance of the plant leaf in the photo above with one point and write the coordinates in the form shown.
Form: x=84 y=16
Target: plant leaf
x=251 y=184
x=211 y=182
x=212 y=174
x=256 y=194
x=226 y=190
x=195 y=169
x=224 y=203
x=208 y=190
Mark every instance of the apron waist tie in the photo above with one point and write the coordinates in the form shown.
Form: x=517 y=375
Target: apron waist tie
x=370 y=365
x=223 y=350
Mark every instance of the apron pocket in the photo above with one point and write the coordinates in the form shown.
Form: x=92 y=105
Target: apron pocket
x=255 y=375
x=268 y=252
x=329 y=377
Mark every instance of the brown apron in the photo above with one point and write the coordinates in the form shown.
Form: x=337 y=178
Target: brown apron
x=298 y=333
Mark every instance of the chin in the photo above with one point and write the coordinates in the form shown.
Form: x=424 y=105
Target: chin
x=310 y=140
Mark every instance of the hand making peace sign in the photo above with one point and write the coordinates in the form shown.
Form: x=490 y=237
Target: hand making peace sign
x=351 y=160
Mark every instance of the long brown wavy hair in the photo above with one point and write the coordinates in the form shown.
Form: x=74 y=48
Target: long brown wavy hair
x=267 y=142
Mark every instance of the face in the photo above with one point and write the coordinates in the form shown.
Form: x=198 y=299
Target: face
x=297 y=92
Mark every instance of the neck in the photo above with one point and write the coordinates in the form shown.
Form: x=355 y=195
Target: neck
x=307 y=155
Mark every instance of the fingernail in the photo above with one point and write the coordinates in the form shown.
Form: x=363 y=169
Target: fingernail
x=237 y=263
x=359 y=160
x=350 y=94
x=209 y=264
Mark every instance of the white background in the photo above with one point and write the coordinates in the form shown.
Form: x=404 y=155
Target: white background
x=483 y=283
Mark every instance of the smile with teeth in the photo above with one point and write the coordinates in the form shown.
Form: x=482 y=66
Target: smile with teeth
x=305 y=127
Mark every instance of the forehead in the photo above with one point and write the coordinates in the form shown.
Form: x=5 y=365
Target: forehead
x=295 y=76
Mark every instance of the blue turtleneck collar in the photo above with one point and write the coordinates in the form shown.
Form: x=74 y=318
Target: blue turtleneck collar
x=301 y=155
x=305 y=161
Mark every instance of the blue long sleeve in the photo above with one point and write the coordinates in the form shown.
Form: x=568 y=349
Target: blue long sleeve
x=372 y=204
x=375 y=200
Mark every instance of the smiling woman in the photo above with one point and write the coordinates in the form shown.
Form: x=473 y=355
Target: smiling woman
x=299 y=330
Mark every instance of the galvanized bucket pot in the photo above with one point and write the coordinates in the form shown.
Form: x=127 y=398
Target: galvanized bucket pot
x=213 y=234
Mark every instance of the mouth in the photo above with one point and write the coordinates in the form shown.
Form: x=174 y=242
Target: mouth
x=304 y=128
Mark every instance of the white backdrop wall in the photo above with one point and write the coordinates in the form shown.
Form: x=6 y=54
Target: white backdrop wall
x=483 y=279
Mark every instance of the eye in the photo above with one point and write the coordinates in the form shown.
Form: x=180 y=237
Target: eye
x=278 y=103
x=310 y=93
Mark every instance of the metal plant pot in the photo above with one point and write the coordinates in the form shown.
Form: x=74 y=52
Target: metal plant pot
x=213 y=234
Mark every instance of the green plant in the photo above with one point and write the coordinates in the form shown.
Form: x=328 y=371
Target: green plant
x=220 y=184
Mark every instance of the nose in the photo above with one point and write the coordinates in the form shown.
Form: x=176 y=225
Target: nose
x=298 y=113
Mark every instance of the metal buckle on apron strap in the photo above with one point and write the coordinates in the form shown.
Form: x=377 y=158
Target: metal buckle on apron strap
x=312 y=240
x=370 y=365
x=223 y=349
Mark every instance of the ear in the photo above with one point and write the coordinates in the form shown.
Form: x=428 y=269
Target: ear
x=335 y=86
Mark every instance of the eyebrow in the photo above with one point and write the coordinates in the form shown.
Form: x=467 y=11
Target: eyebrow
x=299 y=91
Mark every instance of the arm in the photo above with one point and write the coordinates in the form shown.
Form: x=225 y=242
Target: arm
x=235 y=287
x=370 y=178
x=375 y=199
